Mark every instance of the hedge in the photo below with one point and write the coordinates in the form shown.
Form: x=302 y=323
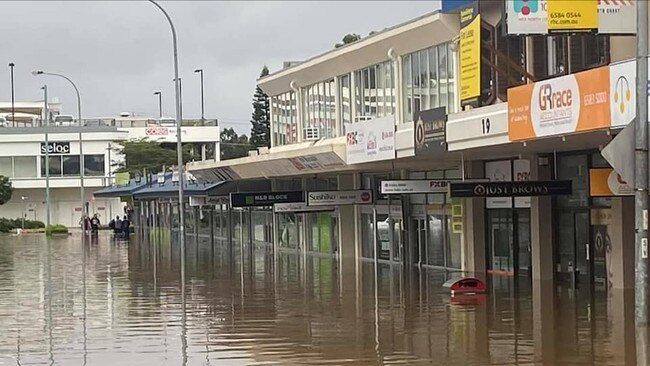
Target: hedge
x=7 y=225
x=56 y=229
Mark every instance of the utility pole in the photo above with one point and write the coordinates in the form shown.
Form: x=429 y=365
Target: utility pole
x=641 y=158
x=46 y=117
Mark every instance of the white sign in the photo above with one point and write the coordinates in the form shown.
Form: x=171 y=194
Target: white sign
x=498 y=171
x=555 y=116
x=530 y=16
x=161 y=178
x=333 y=198
x=414 y=186
x=485 y=126
x=372 y=140
x=622 y=98
x=197 y=201
x=521 y=172
x=299 y=207
x=618 y=186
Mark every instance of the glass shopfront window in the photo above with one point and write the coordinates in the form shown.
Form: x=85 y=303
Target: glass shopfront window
x=284 y=119
x=429 y=80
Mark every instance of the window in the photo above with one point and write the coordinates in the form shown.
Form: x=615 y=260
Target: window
x=55 y=166
x=374 y=91
x=71 y=165
x=67 y=166
x=25 y=167
x=94 y=165
x=6 y=168
x=429 y=80
x=319 y=107
x=284 y=119
x=345 y=97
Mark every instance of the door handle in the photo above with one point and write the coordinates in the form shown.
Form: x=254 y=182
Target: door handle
x=587 y=246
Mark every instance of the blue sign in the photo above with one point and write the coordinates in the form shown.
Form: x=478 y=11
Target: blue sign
x=453 y=6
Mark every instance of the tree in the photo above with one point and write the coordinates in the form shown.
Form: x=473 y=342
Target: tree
x=347 y=39
x=232 y=145
x=261 y=119
x=144 y=154
x=6 y=190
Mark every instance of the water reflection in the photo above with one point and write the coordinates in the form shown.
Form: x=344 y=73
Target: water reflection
x=107 y=303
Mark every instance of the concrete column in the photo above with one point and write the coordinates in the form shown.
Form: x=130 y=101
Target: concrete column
x=620 y=264
x=347 y=223
x=473 y=254
x=541 y=226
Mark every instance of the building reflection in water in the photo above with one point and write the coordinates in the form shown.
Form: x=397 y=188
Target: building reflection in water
x=110 y=302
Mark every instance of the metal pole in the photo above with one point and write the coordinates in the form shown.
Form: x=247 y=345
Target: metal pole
x=641 y=185
x=179 y=146
x=13 y=101
x=200 y=71
x=47 y=158
x=159 y=94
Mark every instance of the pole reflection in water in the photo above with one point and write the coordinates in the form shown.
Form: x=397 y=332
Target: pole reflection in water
x=112 y=303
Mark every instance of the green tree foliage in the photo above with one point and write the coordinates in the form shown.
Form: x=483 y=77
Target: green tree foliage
x=347 y=39
x=6 y=190
x=144 y=154
x=232 y=145
x=261 y=119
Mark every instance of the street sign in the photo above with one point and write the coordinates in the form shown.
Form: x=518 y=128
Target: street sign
x=334 y=198
x=619 y=153
x=511 y=189
x=259 y=199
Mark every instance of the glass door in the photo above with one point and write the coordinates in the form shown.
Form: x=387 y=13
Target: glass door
x=574 y=248
x=420 y=247
x=501 y=242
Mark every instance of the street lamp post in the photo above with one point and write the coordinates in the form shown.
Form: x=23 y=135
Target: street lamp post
x=13 y=100
x=159 y=94
x=179 y=147
x=23 y=198
x=200 y=71
x=46 y=118
x=81 y=151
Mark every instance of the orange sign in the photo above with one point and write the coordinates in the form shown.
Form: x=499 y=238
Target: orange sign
x=571 y=103
x=604 y=182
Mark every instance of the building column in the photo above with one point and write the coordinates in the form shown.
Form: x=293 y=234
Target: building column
x=348 y=251
x=620 y=260
x=541 y=224
x=473 y=249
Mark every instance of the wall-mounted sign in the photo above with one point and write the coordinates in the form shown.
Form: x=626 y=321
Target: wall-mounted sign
x=622 y=93
x=55 y=148
x=217 y=200
x=156 y=131
x=531 y=16
x=470 y=52
x=160 y=178
x=563 y=105
x=122 y=179
x=511 y=189
x=299 y=207
x=372 y=140
x=429 y=131
x=564 y=15
x=335 y=198
x=605 y=182
x=485 y=126
x=258 y=199
x=414 y=186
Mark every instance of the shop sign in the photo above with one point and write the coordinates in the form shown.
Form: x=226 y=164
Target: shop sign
x=414 y=186
x=55 y=148
x=470 y=52
x=531 y=16
x=484 y=126
x=604 y=182
x=156 y=131
x=260 y=199
x=197 y=201
x=511 y=189
x=160 y=178
x=299 y=207
x=335 y=198
x=372 y=140
x=565 y=15
x=122 y=179
x=622 y=95
x=563 y=105
x=429 y=131
x=217 y=200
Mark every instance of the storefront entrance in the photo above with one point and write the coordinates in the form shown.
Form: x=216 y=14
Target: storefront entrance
x=508 y=239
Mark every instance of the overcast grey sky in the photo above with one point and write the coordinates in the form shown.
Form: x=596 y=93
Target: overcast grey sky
x=119 y=52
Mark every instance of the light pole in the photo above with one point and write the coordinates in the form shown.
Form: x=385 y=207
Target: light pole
x=22 y=199
x=81 y=151
x=159 y=94
x=179 y=147
x=200 y=71
x=46 y=118
x=13 y=100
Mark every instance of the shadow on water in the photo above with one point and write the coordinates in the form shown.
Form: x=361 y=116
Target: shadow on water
x=110 y=302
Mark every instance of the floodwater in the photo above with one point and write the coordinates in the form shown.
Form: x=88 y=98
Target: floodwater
x=113 y=303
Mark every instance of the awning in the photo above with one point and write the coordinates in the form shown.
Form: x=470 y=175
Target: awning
x=120 y=191
x=298 y=159
x=193 y=188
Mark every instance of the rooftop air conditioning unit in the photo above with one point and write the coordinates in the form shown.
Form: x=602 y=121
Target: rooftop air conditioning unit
x=311 y=133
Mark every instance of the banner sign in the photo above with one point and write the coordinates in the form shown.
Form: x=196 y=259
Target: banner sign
x=429 y=131
x=122 y=179
x=372 y=140
x=55 y=148
x=414 y=186
x=531 y=16
x=511 y=189
x=258 y=199
x=622 y=93
x=470 y=52
x=334 y=198
x=605 y=182
x=299 y=207
x=563 y=105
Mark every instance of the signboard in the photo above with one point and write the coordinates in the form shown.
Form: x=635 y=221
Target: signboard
x=55 y=148
x=299 y=207
x=156 y=131
x=511 y=189
x=160 y=177
x=604 y=182
x=622 y=95
x=576 y=102
x=570 y=15
x=122 y=179
x=197 y=201
x=470 y=52
x=335 y=198
x=372 y=140
x=414 y=186
x=485 y=126
x=257 y=199
x=217 y=200
x=531 y=16
x=429 y=131
x=451 y=6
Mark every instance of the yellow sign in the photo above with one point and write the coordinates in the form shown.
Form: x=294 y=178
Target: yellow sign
x=572 y=15
x=605 y=182
x=470 y=54
x=121 y=179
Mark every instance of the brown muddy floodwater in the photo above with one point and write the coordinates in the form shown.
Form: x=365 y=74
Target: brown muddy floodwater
x=113 y=303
